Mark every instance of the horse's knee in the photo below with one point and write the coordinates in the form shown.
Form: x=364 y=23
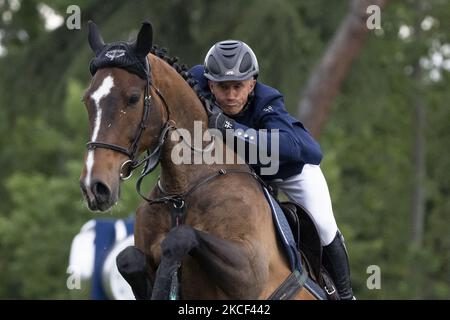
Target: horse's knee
x=131 y=261
x=179 y=242
x=133 y=266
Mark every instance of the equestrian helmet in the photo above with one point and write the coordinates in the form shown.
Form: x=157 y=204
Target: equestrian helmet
x=230 y=60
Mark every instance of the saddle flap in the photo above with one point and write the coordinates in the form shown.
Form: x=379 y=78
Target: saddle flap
x=306 y=235
x=290 y=211
x=284 y=232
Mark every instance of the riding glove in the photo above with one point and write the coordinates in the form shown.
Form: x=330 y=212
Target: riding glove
x=218 y=120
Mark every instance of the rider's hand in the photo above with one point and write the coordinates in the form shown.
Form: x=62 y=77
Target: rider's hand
x=217 y=120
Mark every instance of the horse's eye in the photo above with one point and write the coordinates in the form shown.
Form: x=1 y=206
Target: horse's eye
x=132 y=100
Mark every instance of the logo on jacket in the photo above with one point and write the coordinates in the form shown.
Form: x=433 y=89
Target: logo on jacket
x=228 y=125
x=268 y=109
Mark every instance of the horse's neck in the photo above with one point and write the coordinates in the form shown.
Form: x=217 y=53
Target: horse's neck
x=188 y=114
x=181 y=177
x=184 y=105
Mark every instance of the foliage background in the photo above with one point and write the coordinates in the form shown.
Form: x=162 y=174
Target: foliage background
x=368 y=140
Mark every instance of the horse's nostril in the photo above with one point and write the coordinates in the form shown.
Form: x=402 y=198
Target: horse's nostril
x=101 y=191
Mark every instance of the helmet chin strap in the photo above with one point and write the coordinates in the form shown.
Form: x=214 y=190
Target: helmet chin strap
x=249 y=100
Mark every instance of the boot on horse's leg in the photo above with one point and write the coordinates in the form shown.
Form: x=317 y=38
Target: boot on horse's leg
x=133 y=266
x=335 y=260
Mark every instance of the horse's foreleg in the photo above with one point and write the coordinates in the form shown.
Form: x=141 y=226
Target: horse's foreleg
x=235 y=270
x=177 y=244
x=224 y=261
x=133 y=266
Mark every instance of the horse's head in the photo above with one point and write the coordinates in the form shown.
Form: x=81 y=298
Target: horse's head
x=123 y=122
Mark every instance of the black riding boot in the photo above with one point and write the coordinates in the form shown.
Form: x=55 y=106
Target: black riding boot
x=335 y=260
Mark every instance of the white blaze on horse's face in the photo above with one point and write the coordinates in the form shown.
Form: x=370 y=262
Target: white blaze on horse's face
x=102 y=91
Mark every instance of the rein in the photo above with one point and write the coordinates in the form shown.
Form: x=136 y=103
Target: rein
x=178 y=201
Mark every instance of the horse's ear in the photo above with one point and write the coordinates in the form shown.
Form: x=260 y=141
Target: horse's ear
x=95 y=39
x=144 y=40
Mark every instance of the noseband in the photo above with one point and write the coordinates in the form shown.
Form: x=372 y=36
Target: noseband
x=133 y=151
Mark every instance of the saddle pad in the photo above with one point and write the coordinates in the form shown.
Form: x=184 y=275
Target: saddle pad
x=287 y=238
x=285 y=233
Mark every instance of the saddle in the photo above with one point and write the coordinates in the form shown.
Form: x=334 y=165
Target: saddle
x=308 y=244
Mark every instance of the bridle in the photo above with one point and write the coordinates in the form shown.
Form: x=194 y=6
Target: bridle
x=133 y=151
x=152 y=159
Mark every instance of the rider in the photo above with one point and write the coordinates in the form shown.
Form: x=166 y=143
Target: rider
x=229 y=76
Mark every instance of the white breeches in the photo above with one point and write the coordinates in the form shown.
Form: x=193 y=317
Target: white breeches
x=310 y=190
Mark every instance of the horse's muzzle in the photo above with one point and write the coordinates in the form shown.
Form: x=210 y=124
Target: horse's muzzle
x=98 y=196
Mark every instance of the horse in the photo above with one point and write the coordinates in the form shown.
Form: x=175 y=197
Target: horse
x=209 y=226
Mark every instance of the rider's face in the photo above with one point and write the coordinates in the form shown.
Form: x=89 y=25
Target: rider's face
x=232 y=95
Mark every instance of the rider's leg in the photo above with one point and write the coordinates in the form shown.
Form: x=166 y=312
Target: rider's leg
x=335 y=260
x=310 y=190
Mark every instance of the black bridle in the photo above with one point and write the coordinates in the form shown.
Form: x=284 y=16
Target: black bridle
x=133 y=151
x=152 y=159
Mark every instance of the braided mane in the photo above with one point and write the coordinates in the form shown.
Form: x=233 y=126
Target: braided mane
x=182 y=69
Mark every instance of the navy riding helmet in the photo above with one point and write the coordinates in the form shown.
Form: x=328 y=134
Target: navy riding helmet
x=230 y=60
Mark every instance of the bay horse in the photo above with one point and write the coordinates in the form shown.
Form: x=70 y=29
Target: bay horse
x=210 y=225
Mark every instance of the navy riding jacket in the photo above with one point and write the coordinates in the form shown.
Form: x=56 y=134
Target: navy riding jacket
x=267 y=111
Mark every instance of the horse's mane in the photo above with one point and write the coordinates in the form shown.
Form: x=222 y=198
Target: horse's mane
x=181 y=68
